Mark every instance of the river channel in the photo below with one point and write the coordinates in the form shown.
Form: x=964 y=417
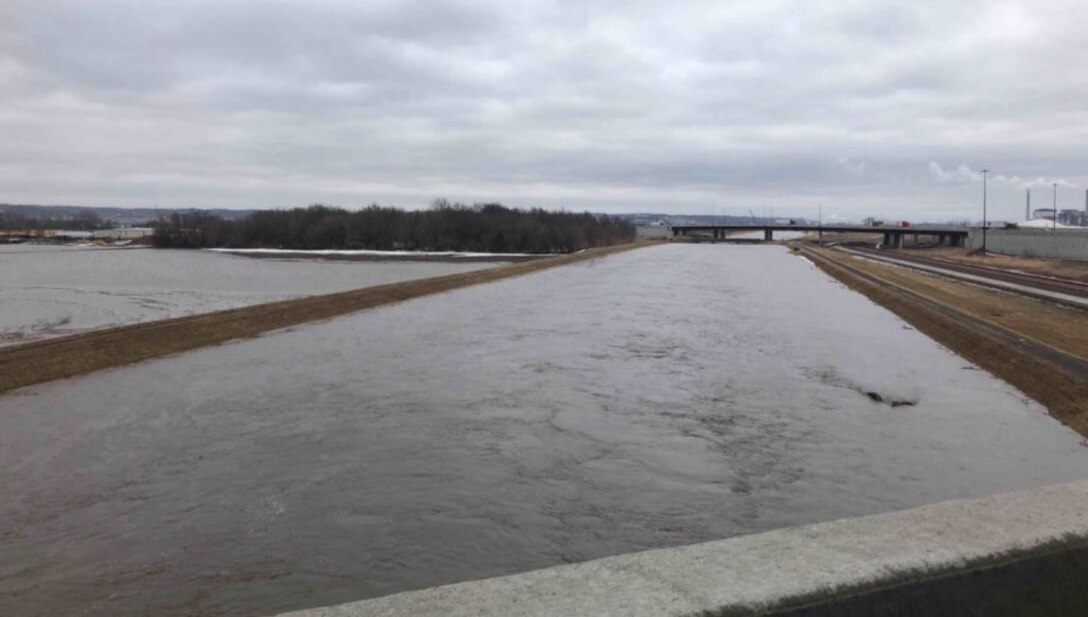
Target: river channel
x=658 y=397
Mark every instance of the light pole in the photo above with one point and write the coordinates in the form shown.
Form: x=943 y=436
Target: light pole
x=1054 y=227
x=984 y=172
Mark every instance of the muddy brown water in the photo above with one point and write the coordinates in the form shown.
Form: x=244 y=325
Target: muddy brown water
x=659 y=397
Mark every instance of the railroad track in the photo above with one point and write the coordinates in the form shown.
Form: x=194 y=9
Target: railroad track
x=1061 y=290
x=961 y=319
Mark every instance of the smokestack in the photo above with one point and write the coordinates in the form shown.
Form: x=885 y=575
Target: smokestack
x=1027 y=208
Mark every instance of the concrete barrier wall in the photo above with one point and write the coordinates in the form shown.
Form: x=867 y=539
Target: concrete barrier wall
x=1023 y=553
x=1051 y=244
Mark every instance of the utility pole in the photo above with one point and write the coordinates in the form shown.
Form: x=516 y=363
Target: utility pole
x=1027 y=206
x=984 y=172
x=820 y=223
x=1054 y=227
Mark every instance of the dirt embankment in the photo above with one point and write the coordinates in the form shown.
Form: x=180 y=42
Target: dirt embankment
x=1040 y=348
x=41 y=361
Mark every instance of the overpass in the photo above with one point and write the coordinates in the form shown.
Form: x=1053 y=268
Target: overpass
x=951 y=235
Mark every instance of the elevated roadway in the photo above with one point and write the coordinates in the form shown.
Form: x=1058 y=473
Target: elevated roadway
x=950 y=235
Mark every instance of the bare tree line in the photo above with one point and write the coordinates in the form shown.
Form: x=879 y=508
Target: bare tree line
x=492 y=228
x=84 y=220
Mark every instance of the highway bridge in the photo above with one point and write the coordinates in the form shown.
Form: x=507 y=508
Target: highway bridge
x=950 y=235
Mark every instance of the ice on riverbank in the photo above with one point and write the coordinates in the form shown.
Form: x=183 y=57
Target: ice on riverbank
x=366 y=252
x=51 y=290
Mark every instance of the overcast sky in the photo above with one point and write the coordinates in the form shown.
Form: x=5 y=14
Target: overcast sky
x=875 y=108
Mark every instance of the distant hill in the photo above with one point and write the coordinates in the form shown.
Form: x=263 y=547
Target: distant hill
x=649 y=218
x=142 y=216
x=121 y=216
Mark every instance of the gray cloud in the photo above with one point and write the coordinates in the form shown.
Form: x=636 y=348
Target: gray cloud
x=868 y=108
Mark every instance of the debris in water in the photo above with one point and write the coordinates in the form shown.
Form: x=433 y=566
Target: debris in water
x=879 y=398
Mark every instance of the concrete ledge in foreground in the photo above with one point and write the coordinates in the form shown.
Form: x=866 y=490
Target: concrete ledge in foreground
x=1023 y=553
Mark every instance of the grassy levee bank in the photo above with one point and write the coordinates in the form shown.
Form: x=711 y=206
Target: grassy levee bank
x=79 y=354
x=1017 y=339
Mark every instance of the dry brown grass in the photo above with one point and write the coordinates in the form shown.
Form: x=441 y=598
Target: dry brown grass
x=999 y=332
x=41 y=361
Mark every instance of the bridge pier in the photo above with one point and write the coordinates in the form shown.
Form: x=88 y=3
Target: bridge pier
x=892 y=240
x=768 y=235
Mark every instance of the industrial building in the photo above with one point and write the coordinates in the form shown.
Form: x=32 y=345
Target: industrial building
x=1068 y=216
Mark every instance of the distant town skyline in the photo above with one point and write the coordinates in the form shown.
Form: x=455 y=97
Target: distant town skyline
x=870 y=109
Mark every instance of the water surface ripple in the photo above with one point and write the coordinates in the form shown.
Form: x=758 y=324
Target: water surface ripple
x=654 y=398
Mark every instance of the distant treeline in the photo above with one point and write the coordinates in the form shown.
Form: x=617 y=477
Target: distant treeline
x=84 y=220
x=491 y=228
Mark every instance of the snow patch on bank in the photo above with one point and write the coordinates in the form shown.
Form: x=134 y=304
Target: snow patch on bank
x=372 y=252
